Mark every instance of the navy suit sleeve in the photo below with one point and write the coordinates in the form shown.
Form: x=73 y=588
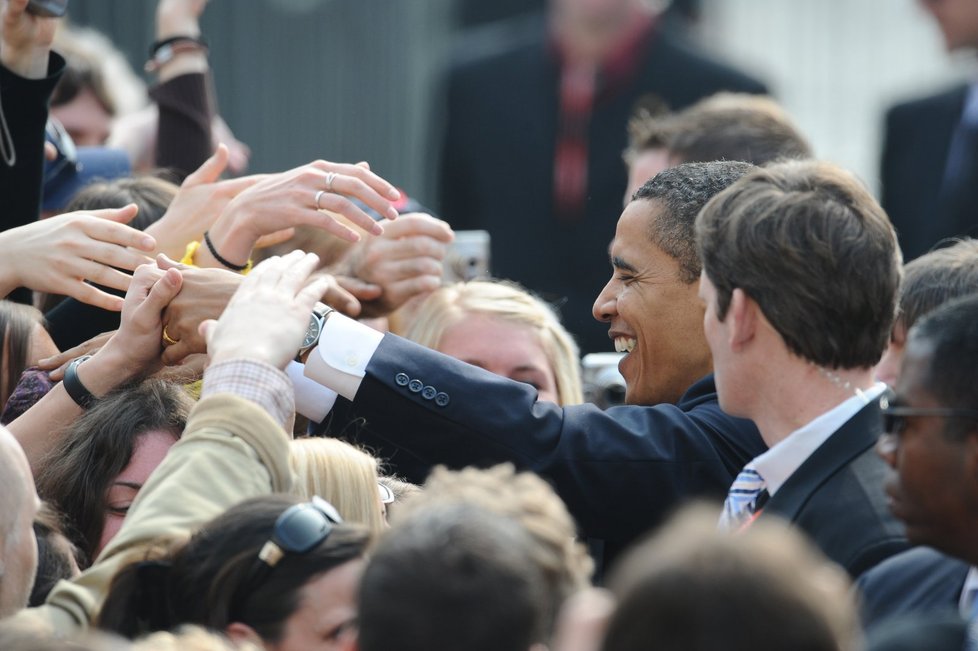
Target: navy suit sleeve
x=618 y=471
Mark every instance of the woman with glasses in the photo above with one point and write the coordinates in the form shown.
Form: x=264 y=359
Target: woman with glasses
x=273 y=571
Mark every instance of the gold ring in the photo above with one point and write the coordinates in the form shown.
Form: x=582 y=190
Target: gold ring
x=330 y=176
x=319 y=195
x=167 y=339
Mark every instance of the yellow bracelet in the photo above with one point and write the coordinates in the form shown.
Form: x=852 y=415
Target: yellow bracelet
x=191 y=253
x=188 y=256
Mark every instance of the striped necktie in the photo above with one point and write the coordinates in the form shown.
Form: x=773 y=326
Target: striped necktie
x=742 y=499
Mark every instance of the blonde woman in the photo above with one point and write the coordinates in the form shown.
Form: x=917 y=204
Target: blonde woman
x=341 y=474
x=502 y=328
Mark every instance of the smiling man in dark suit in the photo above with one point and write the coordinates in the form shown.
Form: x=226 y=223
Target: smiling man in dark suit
x=800 y=277
x=930 y=152
x=619 y=471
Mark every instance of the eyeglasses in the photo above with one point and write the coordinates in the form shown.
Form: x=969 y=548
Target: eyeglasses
x=894 y=418
x=300 y=529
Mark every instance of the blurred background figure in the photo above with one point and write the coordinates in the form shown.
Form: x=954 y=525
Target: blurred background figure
x=691 y=588
x=930 y=155
x=534 y=132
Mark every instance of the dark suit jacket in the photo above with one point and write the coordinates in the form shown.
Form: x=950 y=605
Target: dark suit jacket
x=498 y=155
x=619 y=471
x=915 y=152
x=921 y=580
x=945 y=632
x=837 y=497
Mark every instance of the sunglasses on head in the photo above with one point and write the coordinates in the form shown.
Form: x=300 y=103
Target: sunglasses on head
x=300 y=529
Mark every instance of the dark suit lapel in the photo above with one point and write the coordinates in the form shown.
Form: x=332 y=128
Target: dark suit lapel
x=855 y=436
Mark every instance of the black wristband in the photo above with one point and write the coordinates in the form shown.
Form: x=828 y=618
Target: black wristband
x=73 y=385
x=217 y=256
x=159 y=45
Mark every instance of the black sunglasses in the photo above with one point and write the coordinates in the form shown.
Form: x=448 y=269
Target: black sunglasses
x=300 y=529
x=895 y=417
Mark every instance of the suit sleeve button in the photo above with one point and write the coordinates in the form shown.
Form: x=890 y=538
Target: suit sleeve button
x=401 y=379
x=415 y=386
x=442 y=399
x=428 y=392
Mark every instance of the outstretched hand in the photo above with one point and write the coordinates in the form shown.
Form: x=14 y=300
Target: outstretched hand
x=201 y=198
x=320 y=194
x=403 y=262
x=59 y=254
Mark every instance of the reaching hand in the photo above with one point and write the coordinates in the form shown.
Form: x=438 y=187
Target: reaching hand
x=58 y=255
x=205 y=295
x=201 y=198
x=302 y=196
x=269 y=314
x=135 y=348
x=56 y=364
x=405 y=261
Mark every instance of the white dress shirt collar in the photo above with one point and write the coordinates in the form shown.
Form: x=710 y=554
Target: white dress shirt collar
x=787 y=455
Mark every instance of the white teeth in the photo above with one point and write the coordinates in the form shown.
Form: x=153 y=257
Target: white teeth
x=624 y=344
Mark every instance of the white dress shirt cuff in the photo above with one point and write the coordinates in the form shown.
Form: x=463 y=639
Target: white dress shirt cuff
x=312 y=400
x=340 y=361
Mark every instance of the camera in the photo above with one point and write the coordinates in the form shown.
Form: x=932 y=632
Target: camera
x=603 y=384
x=468 y=256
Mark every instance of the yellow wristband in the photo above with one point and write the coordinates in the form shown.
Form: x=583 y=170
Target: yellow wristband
x=188 y=256
x=191 y=253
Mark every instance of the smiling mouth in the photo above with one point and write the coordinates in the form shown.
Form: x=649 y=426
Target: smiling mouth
x=624 y=344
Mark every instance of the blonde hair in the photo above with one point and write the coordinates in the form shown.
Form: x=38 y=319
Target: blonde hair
x=507 y=301
x=530 y=501
x=341 y=474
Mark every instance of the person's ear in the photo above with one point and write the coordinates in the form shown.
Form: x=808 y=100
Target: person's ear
x=238 y=633
x=743 y=316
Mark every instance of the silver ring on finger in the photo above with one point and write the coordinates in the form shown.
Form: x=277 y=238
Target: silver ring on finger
x=330 y=177
x=319 y=196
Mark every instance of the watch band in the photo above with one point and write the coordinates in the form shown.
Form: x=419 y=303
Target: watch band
x=73 y=384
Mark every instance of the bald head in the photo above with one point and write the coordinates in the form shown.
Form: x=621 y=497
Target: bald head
x=18 y=547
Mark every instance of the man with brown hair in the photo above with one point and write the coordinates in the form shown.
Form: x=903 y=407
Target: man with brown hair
x=725 y=126
x=800 y=276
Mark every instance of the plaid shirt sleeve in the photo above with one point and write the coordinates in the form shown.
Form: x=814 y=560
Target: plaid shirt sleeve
x=261 y=383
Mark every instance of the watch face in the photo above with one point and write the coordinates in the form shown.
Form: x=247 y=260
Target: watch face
x=313 y=331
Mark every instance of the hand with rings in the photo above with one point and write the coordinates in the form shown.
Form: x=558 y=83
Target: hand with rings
x=329 y=188
x=167 y=339
x=320 y=194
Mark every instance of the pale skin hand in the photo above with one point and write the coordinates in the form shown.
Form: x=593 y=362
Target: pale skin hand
x=283 y=201
x=57 y=255
x=267 y=317
x=201 y=198
x=133 y=351
x=25 y=40
x=205 y=295
x=180 y=18
x=404 y=262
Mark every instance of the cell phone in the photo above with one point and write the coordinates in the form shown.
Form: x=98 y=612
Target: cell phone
x=48 y=8
x=468 y=256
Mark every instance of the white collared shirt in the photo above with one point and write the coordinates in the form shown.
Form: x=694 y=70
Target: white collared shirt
x=786 y=456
